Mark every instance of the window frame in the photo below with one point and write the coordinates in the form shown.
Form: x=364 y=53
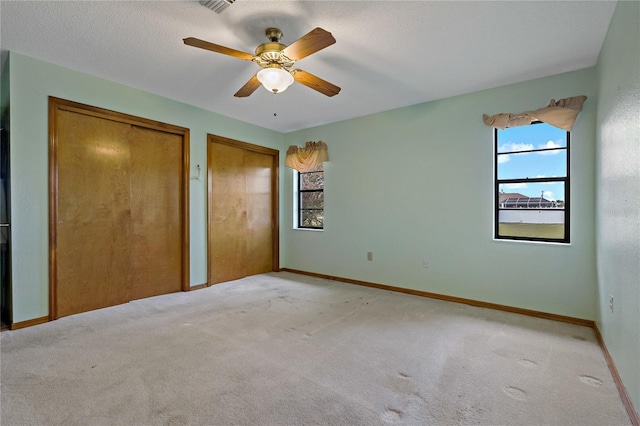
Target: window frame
x=299 y=204
x=566 y=239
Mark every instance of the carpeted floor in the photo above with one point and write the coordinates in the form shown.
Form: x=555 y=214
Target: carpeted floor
x=284 y=349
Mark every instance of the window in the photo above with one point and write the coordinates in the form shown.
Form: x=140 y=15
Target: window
x=532 y=183
x=311 y=198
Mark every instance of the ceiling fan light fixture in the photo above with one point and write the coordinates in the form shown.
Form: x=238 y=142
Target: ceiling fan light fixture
x=275 y=80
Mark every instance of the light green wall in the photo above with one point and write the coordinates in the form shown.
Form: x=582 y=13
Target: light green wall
x=405 y=184
x=618 y=193
x=417 y=182
x=32 y=81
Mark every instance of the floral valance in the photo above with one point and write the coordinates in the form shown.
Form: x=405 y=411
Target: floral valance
x=561 y=114
x=305 y=159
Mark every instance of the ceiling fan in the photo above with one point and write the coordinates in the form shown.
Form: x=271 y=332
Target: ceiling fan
x=276 y=60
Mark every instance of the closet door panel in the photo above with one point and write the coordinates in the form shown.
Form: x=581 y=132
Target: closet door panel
x=156 y=214
x=228 y=214
x=258 y=172
x=93 y=213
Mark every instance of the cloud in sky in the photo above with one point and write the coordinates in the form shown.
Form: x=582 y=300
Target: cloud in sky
x=512 y=147
x=515 y=147
x=548 y=195
x=520 y=147
x=549 y=145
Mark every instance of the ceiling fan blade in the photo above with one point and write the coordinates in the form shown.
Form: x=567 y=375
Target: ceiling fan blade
x=309 y=43
x=195 y=42
x=315 y=83
x=249 y=87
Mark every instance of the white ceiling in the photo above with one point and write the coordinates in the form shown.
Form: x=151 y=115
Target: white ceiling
x=388 y=54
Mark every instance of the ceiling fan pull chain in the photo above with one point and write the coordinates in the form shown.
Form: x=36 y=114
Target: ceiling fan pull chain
x=275 y=114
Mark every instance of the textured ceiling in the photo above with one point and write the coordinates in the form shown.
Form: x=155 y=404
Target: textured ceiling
x=388 y=54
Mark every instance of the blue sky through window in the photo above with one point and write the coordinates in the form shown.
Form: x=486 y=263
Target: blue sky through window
x=532 y=165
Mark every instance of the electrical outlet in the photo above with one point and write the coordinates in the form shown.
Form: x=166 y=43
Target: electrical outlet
x=369 y=255
x=425 y=262
x=611 y=303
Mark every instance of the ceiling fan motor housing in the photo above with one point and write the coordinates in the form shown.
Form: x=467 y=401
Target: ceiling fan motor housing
x=268 y=54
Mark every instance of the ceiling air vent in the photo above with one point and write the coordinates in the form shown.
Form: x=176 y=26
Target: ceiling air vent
x=218 y=6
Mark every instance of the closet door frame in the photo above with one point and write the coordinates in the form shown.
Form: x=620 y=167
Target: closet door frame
x=58 y=104
x=275 y=196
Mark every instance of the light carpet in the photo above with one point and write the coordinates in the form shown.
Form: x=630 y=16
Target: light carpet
x=285 y=349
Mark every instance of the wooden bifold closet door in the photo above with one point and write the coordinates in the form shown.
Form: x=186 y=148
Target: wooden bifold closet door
x=243 y=218
x=118 y=228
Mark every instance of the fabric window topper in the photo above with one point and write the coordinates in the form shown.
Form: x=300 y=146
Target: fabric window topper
x=561 y=114
x=305 y=159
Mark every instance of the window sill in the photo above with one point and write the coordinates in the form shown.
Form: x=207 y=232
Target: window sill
x=553 y=243
x=308 y=229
